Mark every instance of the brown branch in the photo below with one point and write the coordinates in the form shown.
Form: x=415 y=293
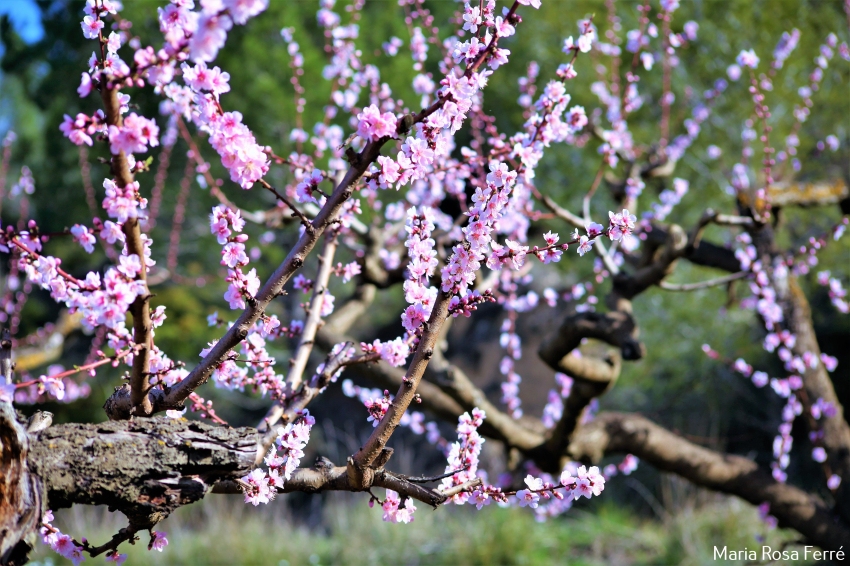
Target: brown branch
x=427 y=342
x=117 y=407
x=617 y=328
x=578 y=222
x=324 y=476
x=611 y=433
x=144 y=468
x=699 y=253
x=298 y=363
x=140 y=403
x=818 y=385
x=657 y=266
x=703 y=284
x=21 y=493
x=524 y=434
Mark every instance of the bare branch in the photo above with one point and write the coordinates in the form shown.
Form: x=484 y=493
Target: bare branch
x=617 y=328
x=427 y=342
x=613 y=433
x=581 y=224
x=703 y=284
x=524 y=434
x=298 y=363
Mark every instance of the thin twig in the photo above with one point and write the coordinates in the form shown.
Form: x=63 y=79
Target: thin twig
x=702 y=284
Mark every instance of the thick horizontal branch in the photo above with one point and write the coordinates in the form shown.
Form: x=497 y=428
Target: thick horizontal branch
x=144 y=468
x=611 y=433
x=524 y=433
x=325 y=476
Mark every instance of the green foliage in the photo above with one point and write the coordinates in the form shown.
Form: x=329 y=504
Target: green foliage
x=220 y=530
x=675 y=383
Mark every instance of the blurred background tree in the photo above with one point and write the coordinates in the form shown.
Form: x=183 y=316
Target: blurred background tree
x=43 y=53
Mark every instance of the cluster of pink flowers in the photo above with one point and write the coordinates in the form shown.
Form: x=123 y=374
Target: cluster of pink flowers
x=234 y=142
x=555 y=400
x=122 y=203
x=547 y=125
x=586 y=483
x=135 y=135
x=304 y=189
x=463 y=454
x=378 y=407
x=394 y=352
x=395 y=511
x=837 y=293
x=103 y=302
x=585 y=40
x=423 y=261
x=510 y=341
x=204 y=33
x=622 y=224
x=487 y=209
x=414 y=420
x=467 y=304
x=60 y=543
x=253 y=354
x=260 y=486
x=47 y=387
x=782 y=443
x=224 y=222
x=81 y=128
x=373 y=125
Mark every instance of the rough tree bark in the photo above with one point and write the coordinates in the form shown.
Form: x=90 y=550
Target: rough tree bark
x=144 y=468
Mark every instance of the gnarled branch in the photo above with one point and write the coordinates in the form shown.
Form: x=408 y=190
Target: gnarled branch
x=611 y=433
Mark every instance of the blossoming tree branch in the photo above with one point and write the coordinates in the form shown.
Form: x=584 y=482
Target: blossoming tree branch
x=404 y=162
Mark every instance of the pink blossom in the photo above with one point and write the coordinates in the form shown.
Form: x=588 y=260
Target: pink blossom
x=747 y=59
x=621 y=224
x=257 y=490
x=84 y=237
x=91 y=27
x=115 y=557
x=372 y=125
x=584 y=245
x=134 y=136
x=209 y=37
x=158 y=541
x=242 y=10
x=85 y=85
